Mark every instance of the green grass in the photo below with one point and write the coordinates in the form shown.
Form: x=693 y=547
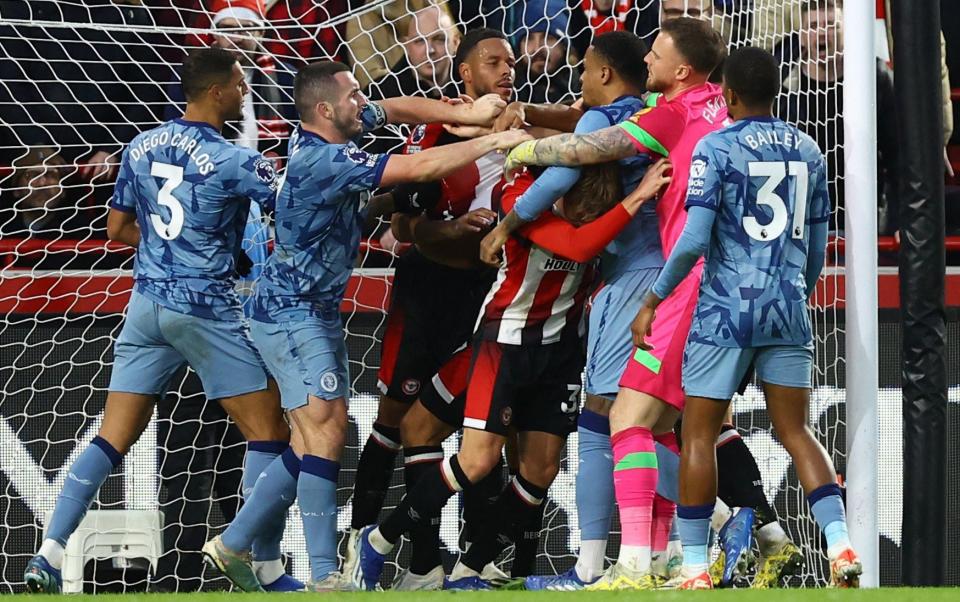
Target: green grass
x=735 y=595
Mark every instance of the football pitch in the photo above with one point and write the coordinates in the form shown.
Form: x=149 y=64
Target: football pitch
x=729 y=595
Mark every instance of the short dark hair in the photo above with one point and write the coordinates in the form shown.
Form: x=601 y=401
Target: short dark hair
x=753 y=74
x=624 y=51
x=596 y=192
x=203 y=68
x=470 y=41
x=314 y=83
x=697 y=41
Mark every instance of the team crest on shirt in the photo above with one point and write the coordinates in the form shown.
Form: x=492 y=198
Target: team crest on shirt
x=328 y=382
x=264 y=170
x=506 y=415
x=411 y=386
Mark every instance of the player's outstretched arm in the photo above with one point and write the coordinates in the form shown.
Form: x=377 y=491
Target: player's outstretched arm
x=562 y=118
x=411 y=109
x=122 y=227
x=573 y=150
x=438 y=162
x=690 y=247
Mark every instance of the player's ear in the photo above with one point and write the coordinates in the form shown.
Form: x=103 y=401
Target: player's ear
x=605 y=74
x=464 y=72
x=683 y=71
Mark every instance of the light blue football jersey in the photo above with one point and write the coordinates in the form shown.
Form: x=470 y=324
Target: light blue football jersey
x=768 y=183
x=318 y=219
x=637 y=247
x=191 y=190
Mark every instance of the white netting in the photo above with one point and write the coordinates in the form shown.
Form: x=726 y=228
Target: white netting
x=80 y=79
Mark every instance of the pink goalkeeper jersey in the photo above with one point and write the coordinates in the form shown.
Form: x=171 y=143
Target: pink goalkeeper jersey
x=672 y=128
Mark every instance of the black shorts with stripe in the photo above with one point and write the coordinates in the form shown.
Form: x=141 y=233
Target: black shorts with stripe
x=531 y=387
x=433 y=310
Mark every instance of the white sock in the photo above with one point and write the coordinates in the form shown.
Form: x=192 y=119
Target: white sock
x=378 y=542
x=590 y=561
x=53 y=552
x=721 y=514
x=461 y=570
x=268 y=571
x=635 y=558
x=771 y=538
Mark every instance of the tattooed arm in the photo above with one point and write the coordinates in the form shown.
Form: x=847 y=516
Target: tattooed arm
x=608 y=144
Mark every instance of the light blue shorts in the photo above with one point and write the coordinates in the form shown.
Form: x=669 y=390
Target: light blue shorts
x=156 y=341
x=609 y=342
x=716 y=372
x=308 y=357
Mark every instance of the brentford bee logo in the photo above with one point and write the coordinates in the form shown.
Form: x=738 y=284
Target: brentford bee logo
x=411 y=386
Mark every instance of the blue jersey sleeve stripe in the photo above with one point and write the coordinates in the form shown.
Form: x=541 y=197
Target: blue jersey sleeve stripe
x=704 y=204
x=120 y=207
x=381 y=166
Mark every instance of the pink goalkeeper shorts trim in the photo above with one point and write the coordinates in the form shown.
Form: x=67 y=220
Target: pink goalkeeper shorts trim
x=659 y=372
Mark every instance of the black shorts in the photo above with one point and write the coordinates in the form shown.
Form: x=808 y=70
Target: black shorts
x=445 y=394
x=532 y=387
x=433 y=310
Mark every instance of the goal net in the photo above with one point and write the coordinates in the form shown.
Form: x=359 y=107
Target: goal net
x=79 y=79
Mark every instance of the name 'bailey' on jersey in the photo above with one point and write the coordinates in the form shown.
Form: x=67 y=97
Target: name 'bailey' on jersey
x=191 y=190
x=768 y=183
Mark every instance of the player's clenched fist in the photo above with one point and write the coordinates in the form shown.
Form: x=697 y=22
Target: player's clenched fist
x=513 y=117
x=492 y=244
x=642 y=327
x=483 y=110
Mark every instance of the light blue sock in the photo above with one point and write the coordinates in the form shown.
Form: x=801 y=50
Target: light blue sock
x=827 y=506
x=273 y=494
x=259 y=455
x=317 y=491
x=86 y=475
x=595 y=493
x=694 y=526
x=668 y=474
x=674 y=530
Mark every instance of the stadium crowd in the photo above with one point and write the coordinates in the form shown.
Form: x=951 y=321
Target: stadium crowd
x=74 y=98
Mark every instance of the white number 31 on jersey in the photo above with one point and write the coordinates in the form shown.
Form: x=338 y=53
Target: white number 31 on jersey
x=775 y=172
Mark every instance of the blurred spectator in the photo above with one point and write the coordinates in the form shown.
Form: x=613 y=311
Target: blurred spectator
x=301 y=33
x=268 y=110
x=425 y=66
x=545 y=71
x=85 y=91
x=376 y=36
x=812 y=98
x=39 y=203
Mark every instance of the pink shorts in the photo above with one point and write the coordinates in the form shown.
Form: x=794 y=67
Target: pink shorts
x=659 y=372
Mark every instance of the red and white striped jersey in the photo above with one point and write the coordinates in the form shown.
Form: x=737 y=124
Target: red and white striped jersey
x=538 y=294
x=473 y=186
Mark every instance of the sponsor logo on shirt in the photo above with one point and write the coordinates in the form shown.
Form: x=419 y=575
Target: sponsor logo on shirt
x=553 y=264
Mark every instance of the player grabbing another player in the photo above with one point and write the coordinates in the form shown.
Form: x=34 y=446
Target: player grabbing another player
x=297 y=324
x=525 y=372
x=758 y=208
x=181 y=199
x=438 y=287
x=650 y=396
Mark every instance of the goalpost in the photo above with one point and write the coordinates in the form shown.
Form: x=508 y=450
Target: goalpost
x=76 y=80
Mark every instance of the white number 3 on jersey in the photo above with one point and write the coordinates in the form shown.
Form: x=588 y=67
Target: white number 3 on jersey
x=173 y=177
x=775 y=172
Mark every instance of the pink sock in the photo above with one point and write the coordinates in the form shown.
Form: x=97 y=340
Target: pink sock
x=663 y=509
x=635 y=482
